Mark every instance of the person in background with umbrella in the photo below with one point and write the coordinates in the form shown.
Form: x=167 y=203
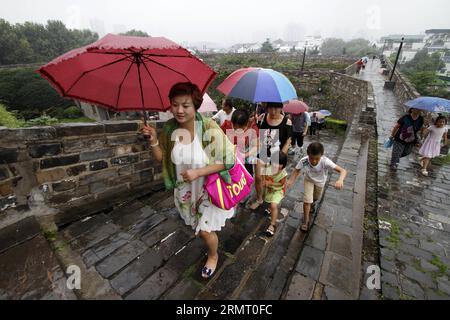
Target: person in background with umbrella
x=431 y=148
x=181 y=149
x=225 y=113
x=404 y=135
x=299 y=126
x=359 y=65
x=314 y=124
x=275 y=136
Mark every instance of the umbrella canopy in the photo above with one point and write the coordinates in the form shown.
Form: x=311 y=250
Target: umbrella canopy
x=318 y=114
x=208 y=104
x=258 y=85
x=430 y=104
x=126 y=73
x=326 y=113
x=295 y=107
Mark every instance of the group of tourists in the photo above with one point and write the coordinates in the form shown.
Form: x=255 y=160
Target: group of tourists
x=192 y=148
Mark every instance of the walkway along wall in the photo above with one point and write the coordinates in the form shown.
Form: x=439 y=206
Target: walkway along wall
x=403 y=89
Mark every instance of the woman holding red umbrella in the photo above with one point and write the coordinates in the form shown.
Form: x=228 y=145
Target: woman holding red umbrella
x=186 y=164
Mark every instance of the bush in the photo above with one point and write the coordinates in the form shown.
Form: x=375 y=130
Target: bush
x=41 y=121
x=338 y=126
x=72 y=112
x=8 y=119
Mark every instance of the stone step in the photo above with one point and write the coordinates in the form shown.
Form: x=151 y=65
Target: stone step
x=237 y=268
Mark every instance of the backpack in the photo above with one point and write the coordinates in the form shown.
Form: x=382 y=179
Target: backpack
x=407 y=131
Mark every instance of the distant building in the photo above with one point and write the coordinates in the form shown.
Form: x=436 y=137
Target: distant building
x=246 y=47
x=411 y=45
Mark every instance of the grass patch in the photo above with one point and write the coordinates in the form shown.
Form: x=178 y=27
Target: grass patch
x=80 y=119
x=440 y=161
x=338 y=126
x=50 y=235
x=438 y=263
x=394 y=237
x=8 y=119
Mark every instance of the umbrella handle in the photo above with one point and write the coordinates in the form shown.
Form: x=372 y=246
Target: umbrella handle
x=145 y=117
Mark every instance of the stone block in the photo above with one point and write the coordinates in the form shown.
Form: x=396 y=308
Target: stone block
x=338 y=273
x=310 y=262
x=300 y=288
x=123 y=160
x=336 y=294
x=76 y=170
x=67 y=196
x=98 y=165
x=137 y=271
x=96 y=154
x=9 y=155
x=122 y=139
x=64 y=185
x=79 y=129
x=97 y=176
x=143 y=165
x=341 y=244
x=28 y=134
x=83 y=143
x=121 y=126
x=59 y=161
x=41 y=150
x=120 y=258
x=317 y=238
x=50 y=175
x=4 y=173
x=412 y=289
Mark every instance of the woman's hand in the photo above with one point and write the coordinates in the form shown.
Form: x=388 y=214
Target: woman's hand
x=150 y=133
x=190 y=175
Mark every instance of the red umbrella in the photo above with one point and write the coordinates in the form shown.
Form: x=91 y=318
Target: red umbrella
x=295 y=107
x=126 y=73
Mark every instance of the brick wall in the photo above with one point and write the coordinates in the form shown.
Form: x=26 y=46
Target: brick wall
x=350 y=92
x=72 y=166
x=403 y=90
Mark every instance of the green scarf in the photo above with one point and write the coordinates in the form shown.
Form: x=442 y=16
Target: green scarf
x=202 y=125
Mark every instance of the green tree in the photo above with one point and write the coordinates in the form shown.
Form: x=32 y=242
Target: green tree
x=423 y=62
x=358 y=47
x=135 y=33
x=13 y=48
x=333 y=47
x=24 y=90
x=267 y=46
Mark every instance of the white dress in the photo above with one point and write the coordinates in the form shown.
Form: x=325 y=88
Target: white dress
x=431 y=148
x=191 y=199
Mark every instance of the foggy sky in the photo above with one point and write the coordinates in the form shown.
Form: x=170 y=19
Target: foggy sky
x=233 y=21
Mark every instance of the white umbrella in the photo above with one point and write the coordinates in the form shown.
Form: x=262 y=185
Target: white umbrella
x=208 y=104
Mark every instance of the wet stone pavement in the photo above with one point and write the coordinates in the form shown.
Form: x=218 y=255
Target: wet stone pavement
x=413 y=213
x=143 y=250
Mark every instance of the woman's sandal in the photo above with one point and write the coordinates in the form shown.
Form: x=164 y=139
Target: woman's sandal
x=271 y=230
x=208 y=272
x=305 y=226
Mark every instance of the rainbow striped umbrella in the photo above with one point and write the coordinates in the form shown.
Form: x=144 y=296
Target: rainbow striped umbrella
x=258 y=85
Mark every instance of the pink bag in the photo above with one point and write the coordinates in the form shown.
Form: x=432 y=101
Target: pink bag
x=227 y=196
